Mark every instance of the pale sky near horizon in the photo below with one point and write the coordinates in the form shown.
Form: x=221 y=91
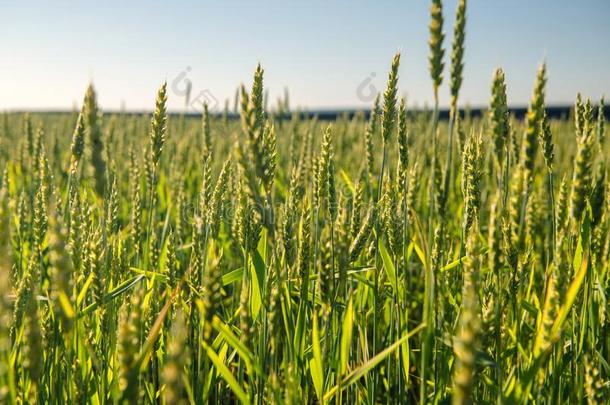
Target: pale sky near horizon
x=325 y=52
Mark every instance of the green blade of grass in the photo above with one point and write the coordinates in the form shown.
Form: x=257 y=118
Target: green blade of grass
x=389 y=267
x=359 y=372
x=315 y=365
x=118 y=291
x=346 y=337
x=245 y=354
x=226 y=374
x=257 y=273
x=232 y=276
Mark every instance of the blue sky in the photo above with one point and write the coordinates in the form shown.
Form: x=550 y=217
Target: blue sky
x=322 y=51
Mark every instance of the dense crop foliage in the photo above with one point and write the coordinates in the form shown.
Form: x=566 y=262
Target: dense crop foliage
x=393 y=259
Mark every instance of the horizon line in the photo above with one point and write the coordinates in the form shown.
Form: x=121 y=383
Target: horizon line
x=519 y=111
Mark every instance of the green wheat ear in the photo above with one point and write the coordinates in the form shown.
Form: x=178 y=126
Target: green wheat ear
x=403 y=140
x=128 y=345
x=535 y=115
x=594 y=383
x=214 y=207
x=24 y=294
x=369 y=133
x=546 y=141
x=32 y=350
x=256 y=98
x=332 y=191
x=5 y=321
x=269 y=157
x=289 y=215
x=457 y=52
x=206 y=130
x=436 y=249
x=158 y=125
x=363 y=234
x=388 y=119
x=357 y=202
x=493 y=239
x=323 y=164
x=498 y=111
x=212 y=296
x=597 y=198
x=96 y=143
x=177 y=358
x=78 y=142
x=172 y=266
x=471 y=178
x=466 y=343
x=579 y=122
x=304 y=250
x=588 y=118
x=394 y=222
x=601 y=123
x=435 y=43
x=61 y=269
x=561 y=214
x=581 y=180
x=40 y=221
x=28 y=132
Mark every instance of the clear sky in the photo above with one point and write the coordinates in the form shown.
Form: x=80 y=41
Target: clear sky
x=325 y=52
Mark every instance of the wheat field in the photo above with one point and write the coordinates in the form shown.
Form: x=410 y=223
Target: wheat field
x=276 y=258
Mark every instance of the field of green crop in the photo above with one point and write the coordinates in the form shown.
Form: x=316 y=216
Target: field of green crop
x=396 y=258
